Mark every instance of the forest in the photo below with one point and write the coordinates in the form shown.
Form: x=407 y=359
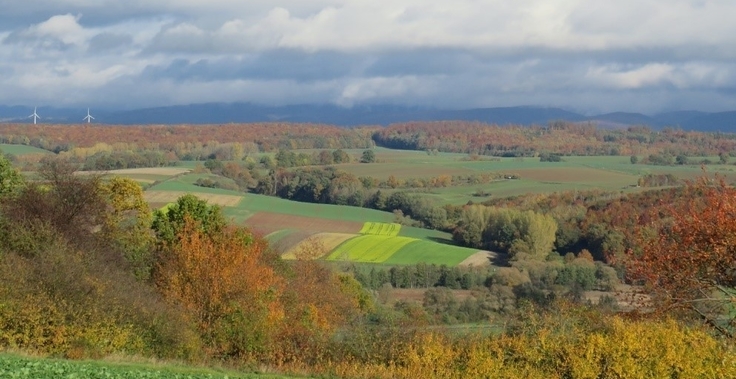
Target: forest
x=89 y=268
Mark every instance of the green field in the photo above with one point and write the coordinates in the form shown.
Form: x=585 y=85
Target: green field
x=253 y=203
x=429 y=252
x=381 y=229
x=21 y=149
x=610 y=173
x=369 y=248
x=398 y=251
x=16 y=367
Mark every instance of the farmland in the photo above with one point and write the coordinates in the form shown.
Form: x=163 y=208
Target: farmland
x=429 y=252
x=326 y=242
x=369 y=248
x=22 y=149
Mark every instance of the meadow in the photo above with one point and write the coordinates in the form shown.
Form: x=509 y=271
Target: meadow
x=22 y=149
x=19 y=367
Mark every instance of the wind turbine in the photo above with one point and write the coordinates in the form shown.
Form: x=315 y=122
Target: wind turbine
x=89 y=117
x=34 y=115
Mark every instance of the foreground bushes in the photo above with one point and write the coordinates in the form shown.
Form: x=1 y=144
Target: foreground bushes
x=571 y=345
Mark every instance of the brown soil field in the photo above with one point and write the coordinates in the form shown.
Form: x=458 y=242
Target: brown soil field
x=265 y=223
x=291 y=240
x=211 y=198
x=479 y=259
x=326 y=242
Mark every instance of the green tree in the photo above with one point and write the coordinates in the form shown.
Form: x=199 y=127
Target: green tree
x=128 y=223
x=340 y=156
x=167 y=223
x=723 y=158
x=368 y=156
x=10 y=179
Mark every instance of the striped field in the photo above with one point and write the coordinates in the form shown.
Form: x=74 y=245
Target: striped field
x=381 y=229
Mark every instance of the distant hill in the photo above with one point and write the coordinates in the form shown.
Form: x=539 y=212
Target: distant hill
x=714 y=122
x=221 y=113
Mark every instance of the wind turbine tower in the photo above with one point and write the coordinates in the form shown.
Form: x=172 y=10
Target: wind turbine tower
x=34 y=115
x=89 y=117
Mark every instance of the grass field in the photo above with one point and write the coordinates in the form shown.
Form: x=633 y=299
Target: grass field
x=381 y=229
x=429 y=252
x=21 y=149
x=611 y=173
x=369 y=248
x=254 y=203
x=17 y=367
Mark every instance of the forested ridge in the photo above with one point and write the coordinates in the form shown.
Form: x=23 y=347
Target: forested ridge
x=562 y=138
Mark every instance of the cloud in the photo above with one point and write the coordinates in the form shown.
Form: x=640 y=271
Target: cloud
x=58 y=32
x=645 y=55
x=107 y=41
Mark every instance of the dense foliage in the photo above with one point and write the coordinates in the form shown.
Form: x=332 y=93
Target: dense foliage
x=552 y=141
x=687 y=259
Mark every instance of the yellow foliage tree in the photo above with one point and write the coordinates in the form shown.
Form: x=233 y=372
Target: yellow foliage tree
x=128 y=223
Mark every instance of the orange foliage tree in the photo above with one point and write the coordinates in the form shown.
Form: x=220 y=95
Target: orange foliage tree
x=689 y=262
x=224 y=283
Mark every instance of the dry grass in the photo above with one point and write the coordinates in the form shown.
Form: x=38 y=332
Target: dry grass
x=327 y=241
x=211 y=198
x=479 y=259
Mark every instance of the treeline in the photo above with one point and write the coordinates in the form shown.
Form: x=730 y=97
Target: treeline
x=186 y=142
x=492 y=292
x=560 y=138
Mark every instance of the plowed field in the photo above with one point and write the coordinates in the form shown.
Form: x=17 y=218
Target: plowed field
x=266 y=222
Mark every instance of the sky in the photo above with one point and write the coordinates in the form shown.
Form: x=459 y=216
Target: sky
x=589 y=56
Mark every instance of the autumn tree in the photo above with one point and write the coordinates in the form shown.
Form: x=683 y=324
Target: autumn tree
x=688 y=262
x=224 y=282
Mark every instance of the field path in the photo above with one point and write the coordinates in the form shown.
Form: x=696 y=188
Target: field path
x=479 y=259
